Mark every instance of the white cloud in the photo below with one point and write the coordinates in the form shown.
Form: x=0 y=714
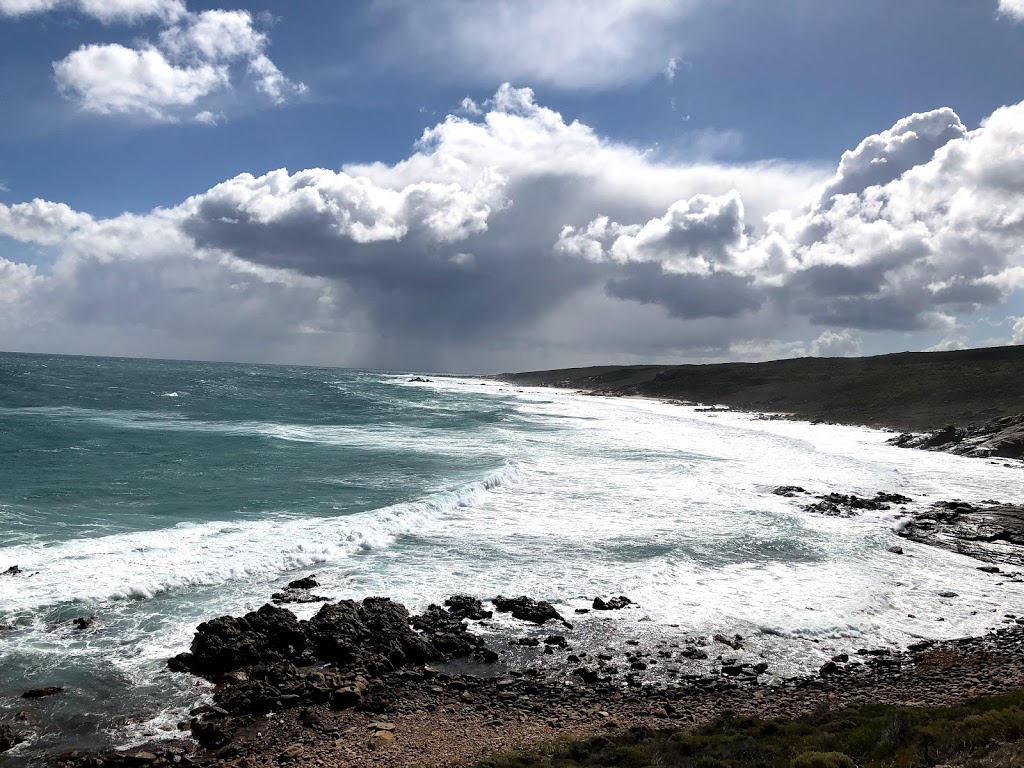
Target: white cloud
x=566 y=43
x=107 y=11
x=514 y=232
x=112 y=79
x=671 y=68
x=1018 y=332
x=195 y=60
x=844 y=343
x=1012 y=8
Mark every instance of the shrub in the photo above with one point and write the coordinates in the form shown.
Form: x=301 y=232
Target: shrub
x=823 y=760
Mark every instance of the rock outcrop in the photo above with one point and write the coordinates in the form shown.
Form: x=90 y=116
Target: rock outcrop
x=1000 y=438
x=991 y=532
x=528 y=609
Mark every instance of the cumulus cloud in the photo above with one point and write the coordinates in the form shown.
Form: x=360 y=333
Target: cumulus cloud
x=1012 y=8
x=566 y=43
x=197 y=57
x=919 y=223
x=843 y=343
x=1018 y=332
x=512 y=237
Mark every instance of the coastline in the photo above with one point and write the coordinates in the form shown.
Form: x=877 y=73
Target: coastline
x=451 y=726
x=419 y=714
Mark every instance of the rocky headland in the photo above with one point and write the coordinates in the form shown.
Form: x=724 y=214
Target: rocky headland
x=1001 y=438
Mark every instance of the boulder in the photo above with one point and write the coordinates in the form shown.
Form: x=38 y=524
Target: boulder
x=789 y=491
x=612 y=603
x=84 y=622
x=466 y=607
x=446 y=632
x=229 y=643
x=527 y=609
x=9 y=738
x=307 y=582
x=12 y=571
x=39 y=693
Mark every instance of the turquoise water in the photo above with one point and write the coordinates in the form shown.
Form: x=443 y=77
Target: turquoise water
x=154 y=495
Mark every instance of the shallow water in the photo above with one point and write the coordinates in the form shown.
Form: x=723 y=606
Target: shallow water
x=156 y=494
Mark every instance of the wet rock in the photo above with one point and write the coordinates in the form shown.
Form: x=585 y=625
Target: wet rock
x=948 y=594
x=849 y=505
x=789 y=491
x=989 y=569
x=558 y=640
x=307 y=582
x=297 y=596
x=841 y=657
x=828 y=668
x=466 y=607
x=1000 y=438
x=896 y=550
x=991 y=532
x=612 y=603
x=12 y=571
x=39 y=693
x=9 y=738
x=84 y=622
x=229 y=643
x=375 y=633
x=446 y=632
x=527 y=609
x=419 y=380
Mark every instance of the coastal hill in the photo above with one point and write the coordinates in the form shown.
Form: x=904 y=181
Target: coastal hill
x=913 y=391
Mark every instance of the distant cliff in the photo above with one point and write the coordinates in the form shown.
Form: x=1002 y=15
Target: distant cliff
x=910 y=391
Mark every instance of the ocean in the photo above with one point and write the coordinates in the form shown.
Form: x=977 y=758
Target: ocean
x=156 y=494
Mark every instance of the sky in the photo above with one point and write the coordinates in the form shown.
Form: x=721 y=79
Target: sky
x=494 y=185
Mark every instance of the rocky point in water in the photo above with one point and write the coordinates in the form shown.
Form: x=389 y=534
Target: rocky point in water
x=991 y=532
x=1000 y=438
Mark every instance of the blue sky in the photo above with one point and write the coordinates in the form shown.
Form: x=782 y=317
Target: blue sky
x=626 y=181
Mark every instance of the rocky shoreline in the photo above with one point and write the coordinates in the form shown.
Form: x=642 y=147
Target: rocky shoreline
x=997 y=439
x=367 y=682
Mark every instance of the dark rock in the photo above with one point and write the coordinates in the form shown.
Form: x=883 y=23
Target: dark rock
x=587 y=675
x=841 y=657
x=12 y=571
x=736 y=643
x=532 y=642
x=84 y=622
x=228 y=643
x=789 y=491
x=989 y=569
x=896 y=550
x=990 y=532
x=305 y=583
x=828 y=668
x=9 y=738
x=297 y=596
x=38 y=693
x=612 y=603
x=446 y=632
x=211 y=734
x=374 y=633
x=419 y=380
x=732 y=669
x=527 y=609
x=558 y=640
x=1000 y=438
x=948 y=594
x=466 y=607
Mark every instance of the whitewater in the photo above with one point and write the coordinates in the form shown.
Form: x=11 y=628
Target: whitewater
x=154 y=495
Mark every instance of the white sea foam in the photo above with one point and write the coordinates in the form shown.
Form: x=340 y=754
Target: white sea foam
x=142 y=565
